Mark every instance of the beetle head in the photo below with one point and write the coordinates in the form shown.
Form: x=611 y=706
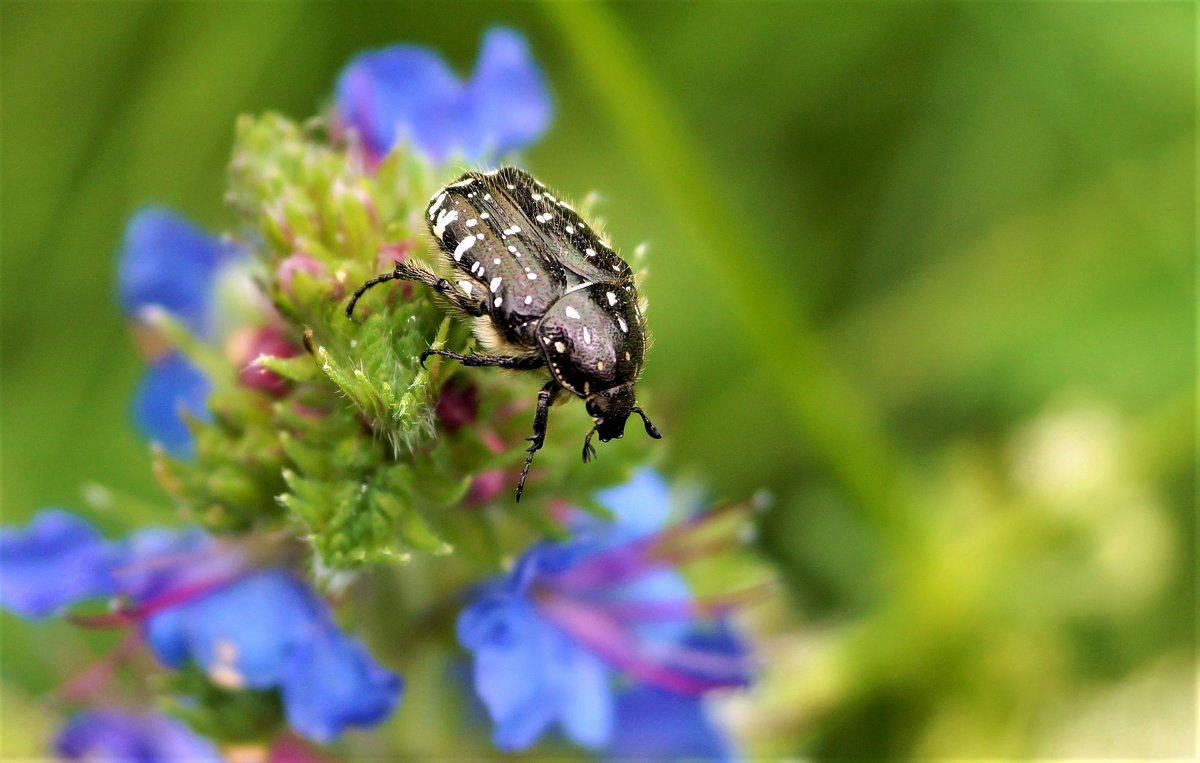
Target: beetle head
x=610 y=409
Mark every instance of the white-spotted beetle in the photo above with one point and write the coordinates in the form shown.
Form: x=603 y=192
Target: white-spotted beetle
x=544 y=291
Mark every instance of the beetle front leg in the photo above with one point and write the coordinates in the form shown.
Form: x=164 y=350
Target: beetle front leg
x=405 y=272
x=524 y=363
x=549 y=392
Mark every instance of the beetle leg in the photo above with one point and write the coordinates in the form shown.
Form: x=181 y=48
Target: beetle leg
x=527 y=363
x=550 y=390
x=406 y=272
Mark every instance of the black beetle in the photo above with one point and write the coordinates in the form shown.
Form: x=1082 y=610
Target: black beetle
x=544 y=290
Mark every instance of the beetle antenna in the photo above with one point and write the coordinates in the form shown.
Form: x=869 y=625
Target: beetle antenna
x=382 y=278
x=589 y=451
x=650 y=428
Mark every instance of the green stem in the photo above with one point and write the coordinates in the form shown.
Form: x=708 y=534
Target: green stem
x=838 y=423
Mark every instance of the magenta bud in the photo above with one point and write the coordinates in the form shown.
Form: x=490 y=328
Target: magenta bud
x=247 y=345
x=486 y=486
x=457 y=406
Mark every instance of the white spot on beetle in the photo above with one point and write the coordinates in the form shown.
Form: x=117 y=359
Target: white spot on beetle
x=444 y=218
x=545 y=339
x=528 y=299
x=472 y=222
x=495 y=284
x=462 y=247
x=590 y=252
x=570 y=229
x=492 y=173
x=512 y=249
x=536 y=196
x=462 y=183
x=612 y=298
x=599 y=365
x=628 y=356
x=484 y=215
x=532 y=277
x=572 y=312
x=498 y=301
x=437 y=202
x=510 y=186
x=467 y=286
x=624 y=326
x=495 y=260
x=512 y=230
x=487 y=197
x=544 y=217
x=560 y=347
x=587 y=336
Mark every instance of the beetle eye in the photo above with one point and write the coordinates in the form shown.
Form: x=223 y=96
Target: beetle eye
x=593 y=410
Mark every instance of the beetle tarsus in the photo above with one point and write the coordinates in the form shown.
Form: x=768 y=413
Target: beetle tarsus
x=541 y=417
x=589 y=450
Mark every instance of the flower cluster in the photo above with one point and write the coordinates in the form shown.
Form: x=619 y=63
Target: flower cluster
x=317 y=462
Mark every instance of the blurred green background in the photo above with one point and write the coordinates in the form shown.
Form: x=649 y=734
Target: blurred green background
x=923 y=272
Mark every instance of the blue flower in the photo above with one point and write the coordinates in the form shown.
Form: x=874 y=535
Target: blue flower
x=652 y=724
x=119 y=735
x=171 y=387
x=550 y=637
x=198 y=600
x=58 y=560
x=408 y=93
x=168 y=263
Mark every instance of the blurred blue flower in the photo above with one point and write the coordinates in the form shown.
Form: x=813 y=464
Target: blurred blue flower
x=168 y=263
x=200 y=601
x=408 y=93
x=549 y=637
x=652 y=724
x=170 y=387
x=57 y=560
x=118 y=735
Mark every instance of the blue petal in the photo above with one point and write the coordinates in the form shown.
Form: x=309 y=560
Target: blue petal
x=407 y=92
x=233 y=647
x=159 y=561
x=529 y=674
x=587 y=699
x=400 y=93
x=135 y=738
x=641 y=506
x=167 y=261
x=169 y=386
x=58 y=560
x=667 y=587
x=657 y=725
x=509 y=670
x=508 y=94
x=332 y=683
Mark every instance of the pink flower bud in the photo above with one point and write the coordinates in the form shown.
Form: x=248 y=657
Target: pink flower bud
x=247 y=345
